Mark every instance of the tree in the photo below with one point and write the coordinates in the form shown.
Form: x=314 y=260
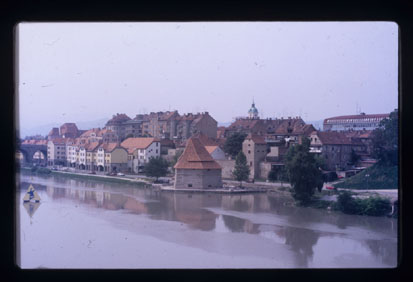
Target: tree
x=156 y=167
x=277 y=173
x=303 y=171
x=233 y=144
x=241 y=170
x=385 y=140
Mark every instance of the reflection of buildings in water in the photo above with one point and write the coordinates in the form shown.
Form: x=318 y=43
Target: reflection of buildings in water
x=199 y=219
x=243 y=203
x=55 y=193
x=301 y=242
x=49 y=191
x=106 y=196
x=99 y=198
x=385 y=250
x=188 y=209
x=82 y=195
x=236 y=224
x=238 y=202
x=117 y=201
x=134 y=205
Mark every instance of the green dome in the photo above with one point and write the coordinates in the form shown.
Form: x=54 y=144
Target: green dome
x=253 y=109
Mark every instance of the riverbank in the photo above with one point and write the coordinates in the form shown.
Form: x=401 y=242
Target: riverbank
x=105 y=178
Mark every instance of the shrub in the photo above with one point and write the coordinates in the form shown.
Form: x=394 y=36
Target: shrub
x=373 y=206
x=347 y=204
x=377 y=206
x=43 y=170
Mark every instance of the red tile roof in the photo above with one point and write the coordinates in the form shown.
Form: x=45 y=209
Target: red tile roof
x=195 y=156
x=35 y=142
x=89 y=132
x=59 y=141
x=54 y=132
x=131 y=144
x=68 y=127
x=205 y=140
x=92 y=146
x=257 y=139
x=108 y=147
x=210 y=149
x=333 y=138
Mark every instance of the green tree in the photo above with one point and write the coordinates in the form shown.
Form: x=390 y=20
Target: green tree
x=233 y=144
x=385 y=140
x=241 y=170
x=303 y=172
x=156 y=167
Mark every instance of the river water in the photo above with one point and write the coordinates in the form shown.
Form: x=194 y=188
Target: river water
x=93 y=224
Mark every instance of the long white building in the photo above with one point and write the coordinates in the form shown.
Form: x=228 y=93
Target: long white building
x=354 y=122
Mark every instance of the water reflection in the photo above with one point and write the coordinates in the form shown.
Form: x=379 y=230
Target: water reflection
x=300 y=229
x=31 y=207
x=385 y=250
x=236 y=224
x=301 y=242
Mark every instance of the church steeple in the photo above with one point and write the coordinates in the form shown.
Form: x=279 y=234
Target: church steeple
x=253 y=112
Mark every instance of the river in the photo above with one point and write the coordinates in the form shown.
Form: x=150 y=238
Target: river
x=93 y=224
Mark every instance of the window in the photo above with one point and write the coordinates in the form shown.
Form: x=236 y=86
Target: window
x=189 y=185
x=156 y=150
x=250 y=163
x=249 y=152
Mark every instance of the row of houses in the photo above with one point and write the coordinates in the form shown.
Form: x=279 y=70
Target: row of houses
x=91 y=155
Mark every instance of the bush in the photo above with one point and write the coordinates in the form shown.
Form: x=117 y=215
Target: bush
x=43 y=170
x=373 y=206
x=377 y=206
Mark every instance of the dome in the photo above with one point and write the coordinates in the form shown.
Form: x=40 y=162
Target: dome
x=253 y=112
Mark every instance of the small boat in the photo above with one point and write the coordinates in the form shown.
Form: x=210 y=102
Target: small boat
x=31 y=195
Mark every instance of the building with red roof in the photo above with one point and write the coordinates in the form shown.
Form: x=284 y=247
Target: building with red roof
x=140 y=150
x=69 y=130
x=336 y=148
x=196 y=169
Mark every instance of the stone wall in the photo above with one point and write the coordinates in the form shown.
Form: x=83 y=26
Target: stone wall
x=227 y=168
x=198 y=179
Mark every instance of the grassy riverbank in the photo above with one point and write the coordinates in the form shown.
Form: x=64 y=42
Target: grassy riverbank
x=375 y=177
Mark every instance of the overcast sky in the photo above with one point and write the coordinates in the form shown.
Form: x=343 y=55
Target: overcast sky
x=72 y=72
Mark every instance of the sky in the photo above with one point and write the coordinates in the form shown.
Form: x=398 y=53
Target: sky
x=69 y=72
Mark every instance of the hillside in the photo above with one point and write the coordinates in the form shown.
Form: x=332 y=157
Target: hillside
x=375 y=177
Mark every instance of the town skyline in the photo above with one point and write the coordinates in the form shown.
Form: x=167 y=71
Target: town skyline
x=312 y=70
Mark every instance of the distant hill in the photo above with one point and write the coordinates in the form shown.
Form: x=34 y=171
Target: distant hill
x=45 y=129
x=224 y=124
